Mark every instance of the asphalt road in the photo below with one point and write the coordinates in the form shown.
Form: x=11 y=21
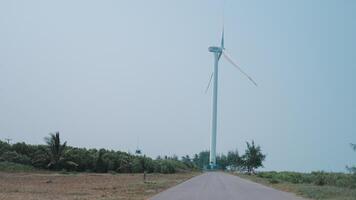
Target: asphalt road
x=222 y=186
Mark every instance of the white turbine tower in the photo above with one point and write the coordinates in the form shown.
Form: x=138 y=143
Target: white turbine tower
x=218 y=51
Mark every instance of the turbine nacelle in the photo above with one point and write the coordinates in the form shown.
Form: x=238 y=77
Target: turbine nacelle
x=215 y=49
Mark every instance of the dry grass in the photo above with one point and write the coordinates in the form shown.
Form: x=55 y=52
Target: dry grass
x=85 y=186
x=309 y=191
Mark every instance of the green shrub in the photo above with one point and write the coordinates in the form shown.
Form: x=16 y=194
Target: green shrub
x=137 y=166
x=101 y=165
x=14 y=167
x=273 y=180
x=89 y=160
x=4 y=147
x=24 y=149
x=85 y=159
x=267 y=174
x=167 y=167
x=319 y=178
x=293 y=177
x=14 y=157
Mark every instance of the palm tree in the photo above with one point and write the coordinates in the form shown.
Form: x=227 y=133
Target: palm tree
x=55 y=151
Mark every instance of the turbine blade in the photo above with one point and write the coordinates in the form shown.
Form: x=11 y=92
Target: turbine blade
x=207 y=88
x=223 y=25
x=222 y=38
x=228 y=58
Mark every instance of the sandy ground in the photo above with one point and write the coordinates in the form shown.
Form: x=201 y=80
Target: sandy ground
x=40 y=186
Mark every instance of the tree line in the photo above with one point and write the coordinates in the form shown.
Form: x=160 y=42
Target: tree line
x=251 y=160
x=55 y=155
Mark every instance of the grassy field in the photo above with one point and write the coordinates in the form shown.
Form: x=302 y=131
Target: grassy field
x=328 y=186
x=88 y=186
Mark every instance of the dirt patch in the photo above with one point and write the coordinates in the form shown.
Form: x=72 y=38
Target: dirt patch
x=85 y=186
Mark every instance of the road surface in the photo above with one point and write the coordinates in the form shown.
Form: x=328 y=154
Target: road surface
x=222 y=186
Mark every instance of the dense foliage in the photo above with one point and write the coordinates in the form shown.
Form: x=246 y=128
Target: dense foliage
x=253 y=157
x=58 y=156
x=251 y=160
x=319 y=178
x=55 y=155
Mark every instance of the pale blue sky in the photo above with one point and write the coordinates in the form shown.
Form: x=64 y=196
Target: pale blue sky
x=104 y=73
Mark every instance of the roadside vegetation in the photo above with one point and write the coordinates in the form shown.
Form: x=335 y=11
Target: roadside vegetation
x=248 y=162
x=314 y=185
x=14 y=167
x=51 y=171
x=57 y=156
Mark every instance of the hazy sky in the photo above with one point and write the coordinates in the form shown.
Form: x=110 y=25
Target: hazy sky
x=104 y=73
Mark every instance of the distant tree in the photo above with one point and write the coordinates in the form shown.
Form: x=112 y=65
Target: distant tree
x=12 y=156
x=56 y=155
x=143 y=164
x=234 y=160
x=55 y=152
x=137 y=166
x=203 y=159
x=4 y=147
x=353 y=146
x=101 y=165
x=221 y=161
x=84 y=158
x=174 y=157
x=21 y=148
x=125 y=163
x=167 y=166
x=196 y=159
x=188 y=161
x=352 y=169
x=253 y=157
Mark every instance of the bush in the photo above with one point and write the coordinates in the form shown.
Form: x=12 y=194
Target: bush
x=85 y=159
x=22 y=148
x=88 y=160
x=292 y=177
x=101 y=165
x=4 y=147
x=273 y=181
x=11 y=156
x=14 y=167
x=319 y=178
x=267 y=174
x=167 y=167
x=137 y=166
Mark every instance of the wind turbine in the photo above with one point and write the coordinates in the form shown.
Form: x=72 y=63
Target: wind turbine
x=218 y=51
